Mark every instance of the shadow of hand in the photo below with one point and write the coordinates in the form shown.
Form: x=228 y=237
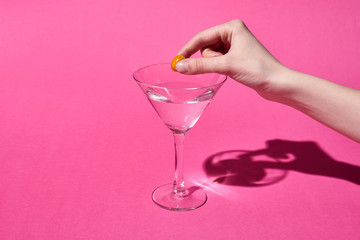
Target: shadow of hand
x=244 y=168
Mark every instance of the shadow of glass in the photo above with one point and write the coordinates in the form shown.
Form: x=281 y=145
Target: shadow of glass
x=271 y=164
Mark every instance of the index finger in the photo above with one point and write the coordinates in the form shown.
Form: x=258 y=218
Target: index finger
x=202 y=39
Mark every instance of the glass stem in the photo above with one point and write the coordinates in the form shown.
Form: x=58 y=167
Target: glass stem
x=179 y=185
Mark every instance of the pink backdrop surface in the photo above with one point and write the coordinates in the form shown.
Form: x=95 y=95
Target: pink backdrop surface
x=81 y=149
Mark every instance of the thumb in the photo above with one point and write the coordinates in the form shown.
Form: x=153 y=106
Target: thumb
x=201 y=65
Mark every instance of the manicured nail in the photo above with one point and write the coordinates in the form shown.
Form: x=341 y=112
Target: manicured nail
x=182 y=66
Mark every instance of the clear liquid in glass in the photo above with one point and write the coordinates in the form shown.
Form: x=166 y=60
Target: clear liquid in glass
x=179 y=111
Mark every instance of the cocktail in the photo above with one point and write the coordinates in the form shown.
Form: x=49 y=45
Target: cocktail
x=179 y=100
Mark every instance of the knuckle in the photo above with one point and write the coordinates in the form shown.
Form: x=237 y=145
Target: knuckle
x=225 y=64
x=198 y=66
x=237 y=23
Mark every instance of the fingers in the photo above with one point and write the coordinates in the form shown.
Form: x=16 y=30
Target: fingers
x=201 y=40
x=207 y=52
x=214 y=43
x=202 y=65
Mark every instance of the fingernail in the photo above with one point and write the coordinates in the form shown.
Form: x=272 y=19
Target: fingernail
x=182 y=66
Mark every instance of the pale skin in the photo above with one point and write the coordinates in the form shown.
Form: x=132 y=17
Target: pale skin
x=231 y=49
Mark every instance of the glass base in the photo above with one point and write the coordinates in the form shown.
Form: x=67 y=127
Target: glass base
x=192 y=198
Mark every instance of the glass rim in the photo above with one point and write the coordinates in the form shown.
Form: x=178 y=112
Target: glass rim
x=190 y=88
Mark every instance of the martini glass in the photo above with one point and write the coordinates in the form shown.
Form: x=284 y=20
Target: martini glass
x=179 y=100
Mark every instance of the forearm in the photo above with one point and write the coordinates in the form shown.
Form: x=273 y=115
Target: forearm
x=335 y=106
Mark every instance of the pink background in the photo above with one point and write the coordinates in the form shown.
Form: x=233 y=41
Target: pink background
x=81 y=149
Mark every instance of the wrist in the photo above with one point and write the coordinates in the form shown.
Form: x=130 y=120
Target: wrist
x=278 y=85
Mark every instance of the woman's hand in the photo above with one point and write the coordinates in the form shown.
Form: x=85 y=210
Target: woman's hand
x=231 y=49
